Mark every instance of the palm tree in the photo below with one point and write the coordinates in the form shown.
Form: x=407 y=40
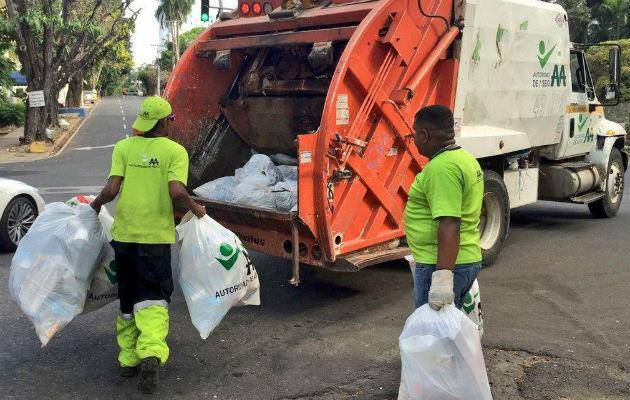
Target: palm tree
x=173 y=13
x=614 y=14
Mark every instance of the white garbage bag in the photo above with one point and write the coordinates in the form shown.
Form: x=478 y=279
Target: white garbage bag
x=104 y=284
x=103 y=287
x=254 y=192
x=257 y=166
x=221 y=189
x=52 y=267
x=472 y=301
x=441 y=357
x=215 y=272
x=472 y=306
x=289 y=173
x=285 y=195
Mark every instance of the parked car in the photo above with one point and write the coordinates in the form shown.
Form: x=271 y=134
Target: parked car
x=20 y=204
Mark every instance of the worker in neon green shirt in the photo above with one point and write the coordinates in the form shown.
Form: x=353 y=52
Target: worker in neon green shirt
x=442 y=213
x=149 y=172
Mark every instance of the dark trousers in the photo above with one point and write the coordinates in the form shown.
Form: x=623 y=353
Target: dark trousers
x=143 y=272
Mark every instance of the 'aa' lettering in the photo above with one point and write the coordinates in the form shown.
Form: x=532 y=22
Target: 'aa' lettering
x=559 y=76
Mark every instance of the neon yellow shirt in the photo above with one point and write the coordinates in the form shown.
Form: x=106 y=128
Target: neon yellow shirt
x=450 y=185
x=144 y=213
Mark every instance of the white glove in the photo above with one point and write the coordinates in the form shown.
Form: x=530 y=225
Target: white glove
x=441 y=291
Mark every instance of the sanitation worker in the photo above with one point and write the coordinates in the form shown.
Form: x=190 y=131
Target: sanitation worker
x=442 y=213
x=148 y=173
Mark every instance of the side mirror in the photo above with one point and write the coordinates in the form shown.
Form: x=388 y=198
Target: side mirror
x=614 y=64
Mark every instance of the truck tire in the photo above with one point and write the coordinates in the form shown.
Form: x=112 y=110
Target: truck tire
x=495 y=217
x=608 y=206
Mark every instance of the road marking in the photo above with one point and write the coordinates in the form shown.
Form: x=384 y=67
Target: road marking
x=70 y=189
x=122 y=111
x=125 y=126
x=95 y=147
x=123 y=117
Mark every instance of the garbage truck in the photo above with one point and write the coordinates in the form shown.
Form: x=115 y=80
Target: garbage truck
x=336 y=86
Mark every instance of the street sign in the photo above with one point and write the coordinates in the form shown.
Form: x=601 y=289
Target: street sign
x=36 y=99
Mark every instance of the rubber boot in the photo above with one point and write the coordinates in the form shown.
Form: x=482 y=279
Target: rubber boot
x=128 y=372
x=148 y=375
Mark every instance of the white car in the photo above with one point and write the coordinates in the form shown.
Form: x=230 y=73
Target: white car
x=20 y=204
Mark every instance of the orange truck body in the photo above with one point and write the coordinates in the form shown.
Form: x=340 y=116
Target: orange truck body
x=357 y=161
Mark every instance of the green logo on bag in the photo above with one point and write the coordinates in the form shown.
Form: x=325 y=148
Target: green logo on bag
x=110 y=271
x=232 y=253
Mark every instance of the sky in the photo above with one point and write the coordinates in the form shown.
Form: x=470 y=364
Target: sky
x=148 y=35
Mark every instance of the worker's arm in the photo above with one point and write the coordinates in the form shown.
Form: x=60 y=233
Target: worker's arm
x=109 y=193
x=448 y=242
x=182 y=198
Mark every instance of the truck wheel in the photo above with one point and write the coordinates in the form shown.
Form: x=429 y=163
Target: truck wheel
x=608 y=206
x=495 y=217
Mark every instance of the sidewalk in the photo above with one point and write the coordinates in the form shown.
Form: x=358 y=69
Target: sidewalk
x=12 y=152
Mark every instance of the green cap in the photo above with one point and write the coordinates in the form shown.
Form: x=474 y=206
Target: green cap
x=152 y=110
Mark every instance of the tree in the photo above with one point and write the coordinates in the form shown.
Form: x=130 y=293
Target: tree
x=57 y=38
x=147 y=74
x=613 y=16
x=173 y=13
x=185 y=40
x=579 y=19
x=114 y=68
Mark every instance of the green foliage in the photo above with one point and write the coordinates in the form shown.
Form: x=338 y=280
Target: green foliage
x=147 y=74
x=115 y=67
x=609 y=21
x=185 y=40
x=597 y=60
x=11 y=114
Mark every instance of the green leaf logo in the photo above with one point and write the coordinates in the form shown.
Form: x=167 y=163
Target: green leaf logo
x=582 y=121
x=110 y=271
x=231 y=255
x=543 y=58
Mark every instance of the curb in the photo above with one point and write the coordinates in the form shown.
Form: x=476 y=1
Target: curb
x=65 y=140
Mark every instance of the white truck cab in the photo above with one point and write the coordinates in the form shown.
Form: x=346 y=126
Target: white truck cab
x=527 y=108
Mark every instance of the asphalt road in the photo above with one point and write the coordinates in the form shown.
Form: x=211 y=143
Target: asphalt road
x=557 y=323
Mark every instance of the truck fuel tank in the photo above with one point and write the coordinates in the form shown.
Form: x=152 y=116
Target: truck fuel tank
x=568 y=180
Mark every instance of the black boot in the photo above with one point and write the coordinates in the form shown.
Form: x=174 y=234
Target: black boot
x=128 y=372
x=148 y=375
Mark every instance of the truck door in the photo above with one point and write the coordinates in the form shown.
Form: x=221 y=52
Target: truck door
x=577 y=138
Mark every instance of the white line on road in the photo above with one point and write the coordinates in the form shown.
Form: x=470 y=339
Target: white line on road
x=125 y=126
x=123 y=117
x=95 y=147
x=69 y=189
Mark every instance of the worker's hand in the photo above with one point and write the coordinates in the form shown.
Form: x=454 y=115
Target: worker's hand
x=96 y=206
x=199 y=210
x=441 y=291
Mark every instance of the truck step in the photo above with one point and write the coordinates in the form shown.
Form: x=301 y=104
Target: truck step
x=588 y=197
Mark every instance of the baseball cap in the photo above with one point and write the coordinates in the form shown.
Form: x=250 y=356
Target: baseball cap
x=152 y=110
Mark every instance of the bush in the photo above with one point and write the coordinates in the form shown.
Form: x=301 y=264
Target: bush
x=11 y=114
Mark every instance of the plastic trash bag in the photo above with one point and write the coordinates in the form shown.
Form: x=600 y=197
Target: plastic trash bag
x=221 y=189
x=52 y=267
x=441 y=357
x=472 y=301
x=254 y=192
x=257 y=166
x=285 y=195
x=215 y=272
x=104 y=282
x=289 y=173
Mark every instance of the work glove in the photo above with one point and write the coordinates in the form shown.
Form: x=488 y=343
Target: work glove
x=441 y=291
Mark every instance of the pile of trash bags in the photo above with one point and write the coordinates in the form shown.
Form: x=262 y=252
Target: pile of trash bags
x=64 y=266
x=215 y=272
x=259 y=183
x=441 y=357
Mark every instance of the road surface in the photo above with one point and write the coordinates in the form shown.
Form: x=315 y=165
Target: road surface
x=556 y=313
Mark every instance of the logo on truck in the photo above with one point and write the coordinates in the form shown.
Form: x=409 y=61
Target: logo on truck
x=543 y=78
